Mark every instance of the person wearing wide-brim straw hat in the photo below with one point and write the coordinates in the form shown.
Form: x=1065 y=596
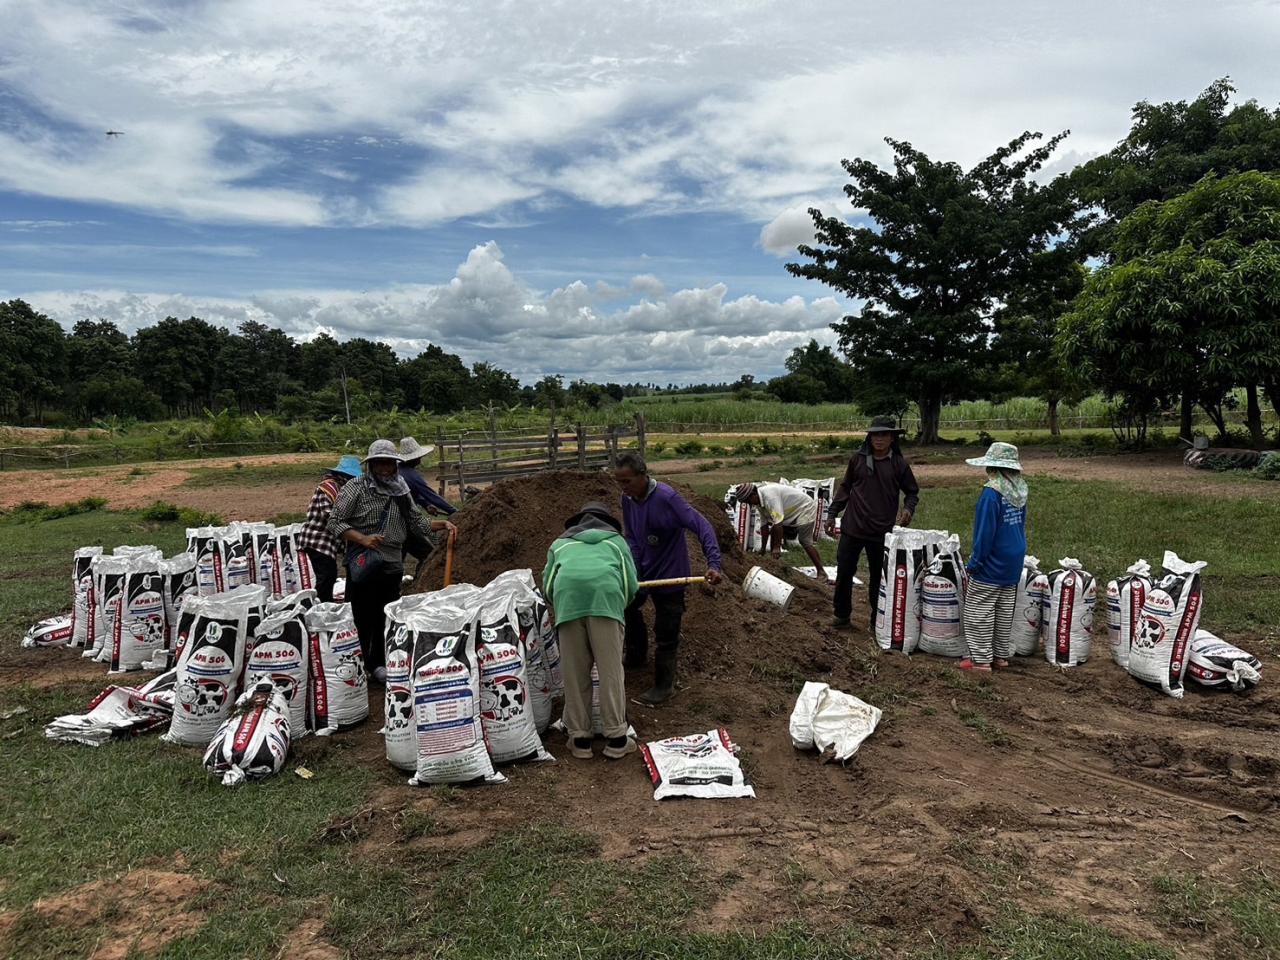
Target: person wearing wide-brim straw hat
x=419 y=489
x=877 y=476
x=375 y=512
x=995 y=561
x=314 y=540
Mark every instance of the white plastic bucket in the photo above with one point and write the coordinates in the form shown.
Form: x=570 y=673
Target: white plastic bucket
x=763 y=585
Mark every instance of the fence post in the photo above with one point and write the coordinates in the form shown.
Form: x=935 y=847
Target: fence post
x=462 y=480
x=493 y=436
x=66 y=459
x=553 y=446
x=640 y=426
x=441 y=478
x=582 y=447
x=611 y=441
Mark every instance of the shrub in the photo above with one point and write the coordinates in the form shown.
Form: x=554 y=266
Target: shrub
x=1268 y=467
x=38 y=510
x=164 y=512
x=690 y=448
x=710 y=465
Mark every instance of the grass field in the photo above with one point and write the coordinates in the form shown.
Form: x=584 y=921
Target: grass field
x=274 y=856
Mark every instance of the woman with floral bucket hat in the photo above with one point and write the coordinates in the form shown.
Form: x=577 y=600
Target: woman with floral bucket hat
x=995 y=563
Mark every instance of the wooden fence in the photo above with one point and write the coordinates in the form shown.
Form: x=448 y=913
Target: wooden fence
x=488 y=456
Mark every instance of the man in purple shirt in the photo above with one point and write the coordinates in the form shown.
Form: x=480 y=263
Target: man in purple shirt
x=655 y=519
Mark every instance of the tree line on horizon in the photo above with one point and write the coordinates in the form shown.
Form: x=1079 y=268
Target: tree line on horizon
x=1150 y=274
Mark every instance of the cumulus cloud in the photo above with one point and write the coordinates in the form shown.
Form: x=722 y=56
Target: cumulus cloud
x=487 y=312
x=790 y=228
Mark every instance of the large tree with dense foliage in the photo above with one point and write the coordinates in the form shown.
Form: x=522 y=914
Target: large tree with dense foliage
x=1190 y=305
x=814 y=375
x=32 y=360
x=1170 y=147
x=942 y=248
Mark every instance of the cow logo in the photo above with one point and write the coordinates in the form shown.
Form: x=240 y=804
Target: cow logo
x=201 y=698
x=399 y=707
x=1150 y=633
x=503 y=700
x=350 y=669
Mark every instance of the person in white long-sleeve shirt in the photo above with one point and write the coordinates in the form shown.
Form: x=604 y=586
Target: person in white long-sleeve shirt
x=786 y=506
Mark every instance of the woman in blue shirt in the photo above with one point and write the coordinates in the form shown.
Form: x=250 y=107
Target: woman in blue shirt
x=999 y=545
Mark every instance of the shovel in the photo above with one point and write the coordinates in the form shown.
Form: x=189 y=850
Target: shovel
x=673 y=582
x=448 y=558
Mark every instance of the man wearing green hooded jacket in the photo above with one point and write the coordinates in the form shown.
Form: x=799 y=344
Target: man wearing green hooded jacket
x=589 y=580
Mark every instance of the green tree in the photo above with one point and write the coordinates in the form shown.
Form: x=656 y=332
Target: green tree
x=1171 y=146
x=437 y=381
x=491 y=384
x=180 y=359
x=946 y=246
x=1026 y=329
x=377 y=368
x=798 y=387
x=549 y=392
x=1190 y=305
x=813 y=363
x=32 y=360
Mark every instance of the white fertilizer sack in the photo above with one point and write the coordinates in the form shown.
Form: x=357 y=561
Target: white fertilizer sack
x=446 y=702
x=701 y=765
x=210 y=662
x=237 y=553
x=533 y=619
x=1068 y=622
x=942 y=603
x=108 y=583
x=1216 y=663
x=202 y=542
x=83 y=608
x=50 y=632
x=801 y=725
x=178 y=575
x=1028 y=613
x=505 y=709
x=1170 y=617
x=339 y=686
x=290 y=571
x=404 y=620
x=138 y=631
x=841 y=722
x=279 y=654
x=117 y=712
x=1126 y=596
x=254 y=743
x=898 y=606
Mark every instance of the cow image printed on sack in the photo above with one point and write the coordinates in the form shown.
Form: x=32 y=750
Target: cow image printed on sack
x=278 y=654
x=446 y=705
x=1126 y=596
x=1216 y=663
x=1067 y=632
x=108 y=583
x=339 y=685
x=701 y=765
x=898 y=606
x=942 y=603
x=1161 y=643
x=1028 y=611
x=82 y=606
x=138 y=632
x=254 y=743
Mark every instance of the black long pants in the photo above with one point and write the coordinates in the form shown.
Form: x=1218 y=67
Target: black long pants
x=325 y=569
x=367 y=601
x=668 y=611
x=847 y=553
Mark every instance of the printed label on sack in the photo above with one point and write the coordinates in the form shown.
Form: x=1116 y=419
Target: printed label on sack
x=1190 y=617
x=898 y=623
x=1066 y=606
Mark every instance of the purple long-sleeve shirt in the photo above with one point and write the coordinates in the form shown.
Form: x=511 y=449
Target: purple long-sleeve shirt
x=655 y=528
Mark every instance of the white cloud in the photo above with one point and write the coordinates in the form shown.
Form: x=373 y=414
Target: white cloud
x=793 y=226
x=742 y=106
x=486 y=312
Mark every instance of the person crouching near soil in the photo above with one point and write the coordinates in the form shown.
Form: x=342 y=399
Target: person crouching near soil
x=590 y=580
x=999 y=545
x=314 y=539
x=785 y=506
x=375 y=513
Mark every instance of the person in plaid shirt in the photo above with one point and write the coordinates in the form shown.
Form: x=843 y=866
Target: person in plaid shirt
x=315 y=539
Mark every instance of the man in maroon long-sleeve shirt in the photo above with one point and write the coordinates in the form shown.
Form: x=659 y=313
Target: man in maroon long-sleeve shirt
x=868 y=495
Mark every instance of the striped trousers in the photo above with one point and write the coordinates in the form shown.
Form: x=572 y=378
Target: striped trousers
x=988 y=620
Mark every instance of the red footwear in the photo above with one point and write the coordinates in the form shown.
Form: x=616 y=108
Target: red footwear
x=967 y=664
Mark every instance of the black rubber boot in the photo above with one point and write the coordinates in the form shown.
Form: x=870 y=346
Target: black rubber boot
x=664 y=678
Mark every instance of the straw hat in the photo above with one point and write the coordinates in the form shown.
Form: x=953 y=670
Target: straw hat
x=411 y=449
x=383 y=450
x=1001 y=455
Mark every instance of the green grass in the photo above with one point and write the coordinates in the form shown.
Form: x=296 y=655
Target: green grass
x=1246 y=914
x=35 y=559
x=259 y=474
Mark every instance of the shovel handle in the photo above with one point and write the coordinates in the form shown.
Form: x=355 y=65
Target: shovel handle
x=448 y=558
x=673 y=582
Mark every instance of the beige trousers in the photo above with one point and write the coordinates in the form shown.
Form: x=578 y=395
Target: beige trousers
x=583 y=642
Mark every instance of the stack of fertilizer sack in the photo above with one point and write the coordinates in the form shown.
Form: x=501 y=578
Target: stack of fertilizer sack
x=472 y=675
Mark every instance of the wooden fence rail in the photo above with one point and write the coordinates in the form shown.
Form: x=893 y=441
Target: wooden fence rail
x=487 y=456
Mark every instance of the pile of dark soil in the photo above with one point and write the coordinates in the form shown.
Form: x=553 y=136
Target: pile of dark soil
x=511 y=525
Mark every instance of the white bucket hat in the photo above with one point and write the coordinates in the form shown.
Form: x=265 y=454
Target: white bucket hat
x=1001 y=455
x=383 y=450
x=411 y=449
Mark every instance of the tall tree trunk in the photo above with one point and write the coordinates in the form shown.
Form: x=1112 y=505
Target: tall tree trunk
x=1186 y=417
x=1219 y=419
x=930 y=414
x=1055 y=428
x=1253 y=416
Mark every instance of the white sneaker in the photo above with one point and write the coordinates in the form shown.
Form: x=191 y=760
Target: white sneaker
x=617 y=753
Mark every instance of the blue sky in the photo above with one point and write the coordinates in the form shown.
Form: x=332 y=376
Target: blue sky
x=594 y=189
